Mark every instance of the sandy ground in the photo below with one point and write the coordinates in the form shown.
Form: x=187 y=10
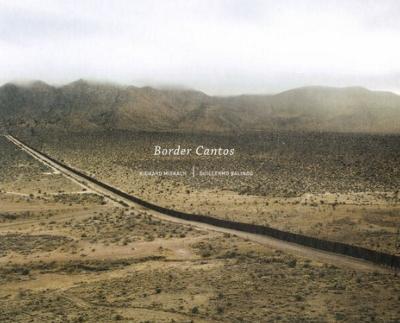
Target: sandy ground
x=312 y=253
x=82 y=258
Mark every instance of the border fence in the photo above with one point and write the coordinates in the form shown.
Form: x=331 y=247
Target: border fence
x=374 y=256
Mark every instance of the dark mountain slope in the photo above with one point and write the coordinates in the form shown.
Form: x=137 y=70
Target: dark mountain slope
x=84 y=105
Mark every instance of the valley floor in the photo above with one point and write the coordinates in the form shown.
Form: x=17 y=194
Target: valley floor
x=67 y=254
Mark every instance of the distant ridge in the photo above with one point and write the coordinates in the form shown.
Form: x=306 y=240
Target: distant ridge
x=83 y=105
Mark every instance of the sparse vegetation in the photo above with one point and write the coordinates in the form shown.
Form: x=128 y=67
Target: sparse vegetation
x=332 y=186
x=70 y=255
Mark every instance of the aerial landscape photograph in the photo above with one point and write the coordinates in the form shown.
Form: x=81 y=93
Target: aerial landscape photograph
x=199 y=161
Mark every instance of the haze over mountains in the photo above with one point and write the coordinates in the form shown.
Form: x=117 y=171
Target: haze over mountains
x=83 y=105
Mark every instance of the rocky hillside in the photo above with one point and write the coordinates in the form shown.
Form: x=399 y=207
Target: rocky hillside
x=86 y=105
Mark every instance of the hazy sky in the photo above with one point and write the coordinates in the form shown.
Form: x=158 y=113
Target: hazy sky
x=220 y=47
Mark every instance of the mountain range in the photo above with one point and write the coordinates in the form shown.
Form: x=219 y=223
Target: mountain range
x=84 y=105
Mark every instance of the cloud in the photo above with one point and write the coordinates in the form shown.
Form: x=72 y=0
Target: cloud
x=221 y=47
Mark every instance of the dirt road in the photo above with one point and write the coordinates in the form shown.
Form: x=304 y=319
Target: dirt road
x=326 y=257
